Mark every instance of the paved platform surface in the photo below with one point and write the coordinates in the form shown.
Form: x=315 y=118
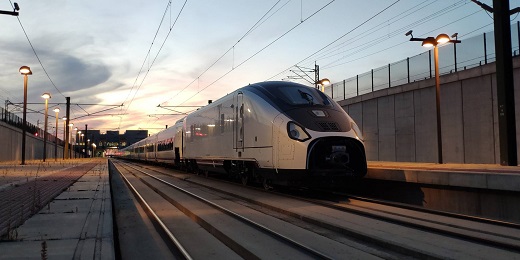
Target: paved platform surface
x=77 y=224
x=484 y=176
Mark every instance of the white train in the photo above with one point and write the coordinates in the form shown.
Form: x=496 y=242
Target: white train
x=280 y=133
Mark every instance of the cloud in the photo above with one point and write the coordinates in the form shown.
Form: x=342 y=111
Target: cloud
x=77 y=74
x=69 y=73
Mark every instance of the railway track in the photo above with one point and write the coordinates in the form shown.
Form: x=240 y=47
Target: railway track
x=369 y=228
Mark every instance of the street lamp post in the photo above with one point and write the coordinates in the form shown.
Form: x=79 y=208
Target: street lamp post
x=94 y=150
x=25 y=71
x=69 y=140
x=65 y=144
x=76 y=137
x=434 y=42
x=87 y=153
x=81 y=140
x=45 y=96
x=56 y=110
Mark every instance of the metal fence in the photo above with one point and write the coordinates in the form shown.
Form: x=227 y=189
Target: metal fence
x=14 y=120
x=472 y=52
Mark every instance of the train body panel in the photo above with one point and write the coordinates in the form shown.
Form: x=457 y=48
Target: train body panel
x=280 y=131
x=232 y=128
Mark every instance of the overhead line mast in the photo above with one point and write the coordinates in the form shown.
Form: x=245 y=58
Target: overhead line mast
x=505 y=81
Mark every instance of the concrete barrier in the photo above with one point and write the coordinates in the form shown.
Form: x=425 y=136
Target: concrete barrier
x=399 y=124
x=11 y=149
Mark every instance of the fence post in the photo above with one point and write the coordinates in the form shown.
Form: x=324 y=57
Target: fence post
x=408 y=68
x=357 y=85
x=455 y=55
x=344 y=90
x=372 y=76
x=485 y=49
x=389 y=78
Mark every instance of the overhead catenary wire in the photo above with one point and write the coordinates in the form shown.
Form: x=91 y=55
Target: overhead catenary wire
x=379 y=40
x=158 y=52
x=256 y=25
x=38 y=57
x=36 y=54
x=364 y=46
x=462 y=36
x=341 y=37
x=212 y=83
x=365 y=33
x=398 y=32
x=259 y=51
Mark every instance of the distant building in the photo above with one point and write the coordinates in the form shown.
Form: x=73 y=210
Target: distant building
x=112 y=139
x=133 y=136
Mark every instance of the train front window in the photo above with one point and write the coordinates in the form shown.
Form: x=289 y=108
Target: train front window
x=303 y=96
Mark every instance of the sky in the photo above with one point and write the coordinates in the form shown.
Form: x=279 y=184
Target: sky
x=119 y=61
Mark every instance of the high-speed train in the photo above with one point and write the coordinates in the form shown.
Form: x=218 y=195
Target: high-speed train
x=279 y=133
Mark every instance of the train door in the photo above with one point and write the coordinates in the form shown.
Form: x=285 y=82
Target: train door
x=239 y=123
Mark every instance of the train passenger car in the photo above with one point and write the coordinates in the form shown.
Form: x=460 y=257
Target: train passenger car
x=163 y=147
x=277 y=133
x=168 y=144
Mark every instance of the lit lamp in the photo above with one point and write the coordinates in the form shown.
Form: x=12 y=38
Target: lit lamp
x=56 y=110
x=45 y=96
x=323 y=82
x=25 y=71
x=434 y=42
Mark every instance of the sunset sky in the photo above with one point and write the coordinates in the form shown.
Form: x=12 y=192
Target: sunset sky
x=101 y=53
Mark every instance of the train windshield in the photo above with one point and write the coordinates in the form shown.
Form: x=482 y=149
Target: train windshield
x=302 y=95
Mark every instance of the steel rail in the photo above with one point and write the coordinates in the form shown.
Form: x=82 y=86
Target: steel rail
x=349 y=209
x=239 y=217
x=165 y=229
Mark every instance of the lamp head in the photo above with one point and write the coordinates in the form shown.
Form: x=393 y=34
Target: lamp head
x=442 y=38
x=429 y=42
x=46 y=95
x=25 y=70
x=56 y=110
x=324 y=82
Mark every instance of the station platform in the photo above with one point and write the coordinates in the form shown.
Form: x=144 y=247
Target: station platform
x=482 y=176
x=75 y=224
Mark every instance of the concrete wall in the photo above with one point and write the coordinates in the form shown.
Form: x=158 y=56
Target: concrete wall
x=399 y=123
x=11 y=145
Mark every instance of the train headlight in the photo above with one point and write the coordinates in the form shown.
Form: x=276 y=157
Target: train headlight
x=297 y=132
